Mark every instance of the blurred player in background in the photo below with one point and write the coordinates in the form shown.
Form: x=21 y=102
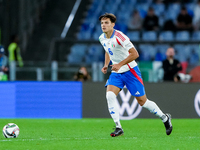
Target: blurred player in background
x=125 y=72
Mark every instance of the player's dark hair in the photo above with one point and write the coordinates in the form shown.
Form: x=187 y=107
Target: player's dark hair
x=112 y=17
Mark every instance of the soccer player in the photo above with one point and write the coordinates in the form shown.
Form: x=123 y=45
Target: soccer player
x=125 y=72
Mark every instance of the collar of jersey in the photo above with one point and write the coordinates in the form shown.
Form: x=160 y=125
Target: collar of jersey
x=111 y=35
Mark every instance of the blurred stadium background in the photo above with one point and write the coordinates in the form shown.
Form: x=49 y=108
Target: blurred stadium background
x=57 y=37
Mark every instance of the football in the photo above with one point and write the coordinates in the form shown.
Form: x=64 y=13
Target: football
x=11 y=130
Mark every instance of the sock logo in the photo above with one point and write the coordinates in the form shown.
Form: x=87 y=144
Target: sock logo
x=112 y=112
x=154 y=112
x=128 y=105
x=197 y=103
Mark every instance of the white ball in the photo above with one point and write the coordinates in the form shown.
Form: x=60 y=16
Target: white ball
x=11 y=130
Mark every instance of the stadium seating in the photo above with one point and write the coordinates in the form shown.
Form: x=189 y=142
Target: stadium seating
x=74 y=59
x=91 y=30
x=77 y=53
x=171 y=15
x=149 y=36
x=196 y=36
x=147 y=52
x=133 y=35
x=182 y=36
x=159 y=8
x=166 y=36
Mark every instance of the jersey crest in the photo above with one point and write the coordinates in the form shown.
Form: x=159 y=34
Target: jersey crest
x=113 y=45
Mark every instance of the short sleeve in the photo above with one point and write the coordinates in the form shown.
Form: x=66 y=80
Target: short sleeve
x=124 y=41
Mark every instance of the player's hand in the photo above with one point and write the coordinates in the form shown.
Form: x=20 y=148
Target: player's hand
x=115 y=67
x=104 y=69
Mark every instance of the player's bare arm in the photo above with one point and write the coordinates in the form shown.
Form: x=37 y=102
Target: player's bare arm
x=107 y=61
x=133 y=55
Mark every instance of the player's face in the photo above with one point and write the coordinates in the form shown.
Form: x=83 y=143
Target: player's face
x=106 y=25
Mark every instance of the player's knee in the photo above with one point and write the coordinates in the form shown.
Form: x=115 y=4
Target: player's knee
x=141 y=100
x=110 y=95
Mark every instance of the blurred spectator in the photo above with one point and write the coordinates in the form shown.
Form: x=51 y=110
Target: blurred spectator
x=3 y=64
x=169 y=26
x=151 y=21
x=14 y=51
x=135 y=22
x=171 y=66
x=184 y=20
x=82 y=75
x=196 y=19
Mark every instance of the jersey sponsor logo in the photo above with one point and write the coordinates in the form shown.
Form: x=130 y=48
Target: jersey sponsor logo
x=197 y=102
x=109 y=50
x=120 y=36
x=128 y=105
x=129 y=45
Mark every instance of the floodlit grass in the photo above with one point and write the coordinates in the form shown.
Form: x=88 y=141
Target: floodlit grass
x=93 y=134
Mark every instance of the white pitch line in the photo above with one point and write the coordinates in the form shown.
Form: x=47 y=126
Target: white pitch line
x=45 y=139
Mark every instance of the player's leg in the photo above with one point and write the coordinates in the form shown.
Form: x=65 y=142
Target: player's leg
x=135 y=85
x=111 y=94
x=114 y=84
x=153 y=108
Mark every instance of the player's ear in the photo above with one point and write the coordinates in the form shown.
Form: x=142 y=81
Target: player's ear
x=113 y=24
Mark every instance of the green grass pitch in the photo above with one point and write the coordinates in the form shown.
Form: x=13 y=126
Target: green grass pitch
x=93 y=134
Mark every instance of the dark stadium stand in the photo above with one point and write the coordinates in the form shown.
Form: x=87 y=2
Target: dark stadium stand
x=51 y=26
x=185 y=42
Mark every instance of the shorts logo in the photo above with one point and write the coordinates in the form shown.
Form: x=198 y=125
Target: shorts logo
x=137 y=93
x=128 y=105
x=197 y=103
